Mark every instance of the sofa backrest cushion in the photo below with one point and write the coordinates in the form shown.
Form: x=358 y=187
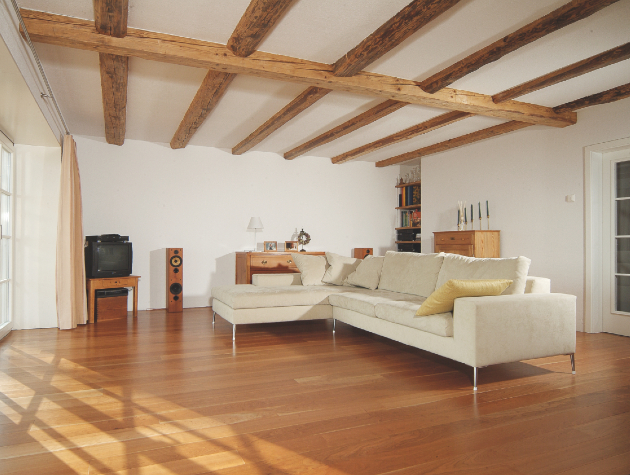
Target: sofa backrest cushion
x=312 y=268
x=339 y=268
x=462 y=267
x=367 y=274
x=410 y=272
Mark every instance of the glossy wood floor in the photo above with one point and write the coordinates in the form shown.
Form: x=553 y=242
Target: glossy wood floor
x=170 y=394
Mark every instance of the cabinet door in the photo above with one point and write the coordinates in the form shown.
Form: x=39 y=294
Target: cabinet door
x=461 y=249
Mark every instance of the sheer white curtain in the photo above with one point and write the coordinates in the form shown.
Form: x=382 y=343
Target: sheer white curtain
x=71 y=295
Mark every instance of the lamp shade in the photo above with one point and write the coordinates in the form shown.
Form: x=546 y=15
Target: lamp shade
x=255 y=223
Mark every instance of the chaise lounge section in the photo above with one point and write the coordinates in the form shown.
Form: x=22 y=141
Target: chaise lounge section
x=526 y=321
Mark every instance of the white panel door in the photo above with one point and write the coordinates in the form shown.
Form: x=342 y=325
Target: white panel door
x=616 y=243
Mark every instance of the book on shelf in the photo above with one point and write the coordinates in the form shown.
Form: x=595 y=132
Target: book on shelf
x=416 y=218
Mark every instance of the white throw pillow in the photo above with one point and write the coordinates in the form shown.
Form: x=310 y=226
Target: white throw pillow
x=339 y=268
x=312 y=268
x=368 y=273
x=410 y=272
x=462 y=267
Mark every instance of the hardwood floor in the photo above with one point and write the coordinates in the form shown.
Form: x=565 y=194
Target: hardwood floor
x=170 y=394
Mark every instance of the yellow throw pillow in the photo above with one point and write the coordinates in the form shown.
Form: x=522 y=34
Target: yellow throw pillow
x=443 y=299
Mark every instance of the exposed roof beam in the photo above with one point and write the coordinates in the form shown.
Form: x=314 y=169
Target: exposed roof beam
x=377 y=112
x=297 y=105
x=605 y=97
x=390 y=34
x=611 y=95
x=601 y=60
x=212 y=89
x=258 y=19
x=76 y=33
x=114 y=74
x=557 y=19
x=393 y=32
x=413 y=131
x=454 y=143
x=110 y=18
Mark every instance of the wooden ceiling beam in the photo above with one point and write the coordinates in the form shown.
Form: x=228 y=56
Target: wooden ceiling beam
x=110 y=19
x=297 y=105
x=593 y=63
x=390 y=34
x=454 y=143
x=605 y=97
x=393 y=32
x=212 y=89
x=256 y=22
x=377 y=112
x=409 y=133
x=76 y=33
x=611 y=95
x=567 y=14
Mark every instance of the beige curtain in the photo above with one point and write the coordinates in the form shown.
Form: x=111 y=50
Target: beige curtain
x=71 y=295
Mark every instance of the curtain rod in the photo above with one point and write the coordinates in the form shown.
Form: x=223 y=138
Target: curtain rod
x=40 y=67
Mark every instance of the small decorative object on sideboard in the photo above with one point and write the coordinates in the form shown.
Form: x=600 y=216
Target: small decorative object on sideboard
x=271 y=246
x=303 y=239
x=290 y=246
x=255 y=224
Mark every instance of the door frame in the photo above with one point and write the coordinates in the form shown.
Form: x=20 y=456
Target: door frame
x=593 y=225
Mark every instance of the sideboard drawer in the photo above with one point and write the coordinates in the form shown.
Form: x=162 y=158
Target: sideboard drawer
x=272 y=262
x=455 y=237
x=461 y=249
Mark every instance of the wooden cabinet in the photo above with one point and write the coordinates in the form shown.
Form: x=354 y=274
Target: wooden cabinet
x=111 y=283
x=249 y=263
x=468 y=243
x=406 y=233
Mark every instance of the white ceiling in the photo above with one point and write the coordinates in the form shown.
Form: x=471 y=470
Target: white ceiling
x=20 y=117
x=323 y=30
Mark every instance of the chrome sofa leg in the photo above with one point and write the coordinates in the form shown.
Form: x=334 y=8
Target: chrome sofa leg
x=233 y=332
x=572 y=356
x=474 y=378
x=334 y=324
x=213 y=314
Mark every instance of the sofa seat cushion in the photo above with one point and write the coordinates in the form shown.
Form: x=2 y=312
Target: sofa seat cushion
x=404 y=313
x=462 y=267
x=364 y=301
x=252 y=296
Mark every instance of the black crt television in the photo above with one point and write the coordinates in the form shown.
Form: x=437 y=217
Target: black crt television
x=108 y=259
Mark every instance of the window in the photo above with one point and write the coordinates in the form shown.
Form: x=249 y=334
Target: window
x=6 y=243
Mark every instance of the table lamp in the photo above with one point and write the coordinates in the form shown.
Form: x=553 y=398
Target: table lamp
x=255 y=224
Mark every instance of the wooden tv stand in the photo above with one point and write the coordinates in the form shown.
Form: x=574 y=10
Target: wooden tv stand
x=111 y=283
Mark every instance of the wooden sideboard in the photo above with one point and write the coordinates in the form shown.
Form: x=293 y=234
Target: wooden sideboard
x=249 y=263
x=468 y=243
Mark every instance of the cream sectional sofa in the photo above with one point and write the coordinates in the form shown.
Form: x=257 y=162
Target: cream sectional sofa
x=525 y=322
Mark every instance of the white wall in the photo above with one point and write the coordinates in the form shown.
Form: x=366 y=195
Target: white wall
x=525 y=176
x=201 y=199
x=36 y=194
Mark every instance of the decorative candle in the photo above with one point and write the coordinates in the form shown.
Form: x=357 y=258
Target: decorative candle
x=487 y=209
x=480 y=211
x=472 y=216
x=457 y=217
x=465 y=217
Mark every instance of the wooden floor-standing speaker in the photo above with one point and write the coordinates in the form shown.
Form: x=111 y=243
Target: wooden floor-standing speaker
x=174 y=279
